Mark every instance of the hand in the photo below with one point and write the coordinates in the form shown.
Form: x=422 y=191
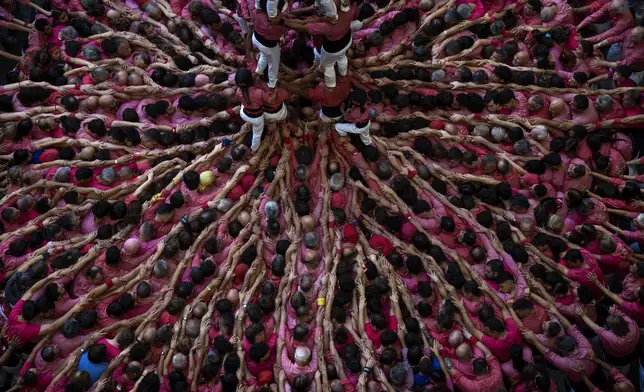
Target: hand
x=579 y=311
x=436 y=346
x=528 y=335
x=593 y=278
x=577 y=367
x=14 y=341
x=149 y=369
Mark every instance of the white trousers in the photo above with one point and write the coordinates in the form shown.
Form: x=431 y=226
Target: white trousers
x=243 y=25
x=272 y=7
x=268 y=57
x=328 y=61
x=344 y=128
x=258 y=128
x=275 y=117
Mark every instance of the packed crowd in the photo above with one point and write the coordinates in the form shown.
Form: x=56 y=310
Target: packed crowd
x=322 y=195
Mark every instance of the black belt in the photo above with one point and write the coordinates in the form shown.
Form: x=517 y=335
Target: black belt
x=272 y=110
x=336 y=46
x=269 y=43
x=362 y=124
x=254 y=113
x=332 y=111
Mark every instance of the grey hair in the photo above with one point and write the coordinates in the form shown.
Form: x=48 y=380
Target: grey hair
x=68 y=33
x=465 y=10
x=537 y=100
x=63 y=174
x=498 y=134
x=192 y=328
x=23 y=202
x=146 y=231
x=15 y=174
x=144 y=56
x=438 y=75
x=91 y=53
x=160 y=268
x=548 y=14
x=125 y=173
x=497 y=27
x=99 y=28
x=108 y=175
x=398 y=374
x=100 y=74
x=481 y=130
x=522 y=147
x=604 y=103
x=179 y=361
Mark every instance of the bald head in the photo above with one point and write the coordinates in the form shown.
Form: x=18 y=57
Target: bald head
x=638 y=33
x=455 y=338
x=557 y=106
x=521 y=59
x=199 y=310
x=134 y=80
x=306 y=282
x=233 y=297
x=464 y=352
x=243 y=218
x=106 y=101
x=149 y=335
x=192 y=328
x=308 y=223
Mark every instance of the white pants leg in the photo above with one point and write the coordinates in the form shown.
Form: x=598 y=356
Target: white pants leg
x=258 y=128
x=344 y=128
x=243 y=25
x=328 y=60
x=316 y=56
x=268 y=57
x=279 y=116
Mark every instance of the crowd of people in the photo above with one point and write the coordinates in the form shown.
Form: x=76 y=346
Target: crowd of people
x=328 y=195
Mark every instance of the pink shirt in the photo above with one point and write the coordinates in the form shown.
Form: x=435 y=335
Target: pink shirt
x=490 y=382
x=24 y=331
x=501 y=347
x=374 y=335
x=255 y=368
x=579 y=356
x=619 y=346
x=618 y=22
x=292 y=370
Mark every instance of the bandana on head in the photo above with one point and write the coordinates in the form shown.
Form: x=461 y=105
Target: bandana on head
x=236 y=193
x=407 y=231
x=350 y=233
x=247 y=182
x=206 y=178
x=338 y=200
